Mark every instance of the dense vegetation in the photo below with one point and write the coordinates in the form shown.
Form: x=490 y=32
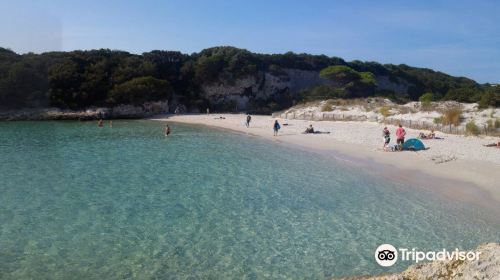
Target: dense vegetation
x=80 y=79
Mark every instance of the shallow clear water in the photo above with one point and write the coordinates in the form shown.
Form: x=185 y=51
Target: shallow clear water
x=82 y=202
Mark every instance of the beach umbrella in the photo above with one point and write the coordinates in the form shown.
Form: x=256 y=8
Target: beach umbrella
x=413 y=145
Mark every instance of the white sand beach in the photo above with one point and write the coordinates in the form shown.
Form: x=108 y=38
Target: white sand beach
x=461 y=160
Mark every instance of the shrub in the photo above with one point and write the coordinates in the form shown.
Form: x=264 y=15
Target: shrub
x=327 y=106
x=490 y=99
x=426 y=100
x=340 y=73
x=492 y=125
x=471 y=128
x=385 y=111
x=452 y=116
x=405 y=110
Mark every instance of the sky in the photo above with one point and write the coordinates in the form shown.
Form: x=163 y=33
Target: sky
x=459 y=37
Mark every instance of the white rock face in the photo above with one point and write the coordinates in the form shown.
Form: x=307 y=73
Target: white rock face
x=263 y=85
x=487 y=267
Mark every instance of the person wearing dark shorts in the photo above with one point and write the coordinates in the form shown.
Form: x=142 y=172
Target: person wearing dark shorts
x=387 y=138
x=400 y=136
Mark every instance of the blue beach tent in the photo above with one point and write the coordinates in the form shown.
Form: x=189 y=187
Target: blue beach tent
x=413 y=145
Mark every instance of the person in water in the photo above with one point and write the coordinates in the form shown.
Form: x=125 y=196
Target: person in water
x=99 y=123
x=167 y=130
x=387 y=138
x=249 y=118
x=110 y=123
x=276 y=127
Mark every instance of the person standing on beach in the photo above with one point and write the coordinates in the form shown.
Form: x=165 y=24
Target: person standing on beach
x=400 y=135
x=276 y=127
x=167 y=130
x=208 y=111
x=249 y=118
x=387 y=138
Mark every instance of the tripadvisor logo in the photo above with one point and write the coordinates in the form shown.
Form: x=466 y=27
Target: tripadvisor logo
x=387 y=255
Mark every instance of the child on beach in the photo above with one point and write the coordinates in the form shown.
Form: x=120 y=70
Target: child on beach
x=276 y=127
x=387 y=138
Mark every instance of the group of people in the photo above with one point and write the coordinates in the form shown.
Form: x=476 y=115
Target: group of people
x=100 y=123
x=276 y=125
x=431 y=135
x=400 y=138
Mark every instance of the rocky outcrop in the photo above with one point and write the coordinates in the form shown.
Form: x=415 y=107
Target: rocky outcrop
x=117 y=112
x=269 y=86
x=485 y=268
x=262 y=86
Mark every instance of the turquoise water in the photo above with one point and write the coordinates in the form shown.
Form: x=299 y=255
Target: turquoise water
x=82 y=202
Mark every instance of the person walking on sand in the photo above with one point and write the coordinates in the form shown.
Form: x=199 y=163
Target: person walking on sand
x=276 y=127
x=167 y=130
x=387 y=138
x=249 y=118
x=400 y=136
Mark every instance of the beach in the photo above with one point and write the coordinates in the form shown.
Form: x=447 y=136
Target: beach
x=467 y=169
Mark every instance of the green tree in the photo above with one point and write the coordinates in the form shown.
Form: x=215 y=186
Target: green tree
x=340 y=74
x=426 y=100
x=140 y=90
x=350 y=81
x=491 y=98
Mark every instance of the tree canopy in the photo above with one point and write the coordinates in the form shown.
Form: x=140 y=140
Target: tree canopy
x=79 y=79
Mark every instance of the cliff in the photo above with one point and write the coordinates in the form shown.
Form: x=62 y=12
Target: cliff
x=282 y=88
x=264 y=86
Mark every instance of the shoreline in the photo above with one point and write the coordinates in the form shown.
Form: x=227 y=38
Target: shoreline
x=468 y=180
